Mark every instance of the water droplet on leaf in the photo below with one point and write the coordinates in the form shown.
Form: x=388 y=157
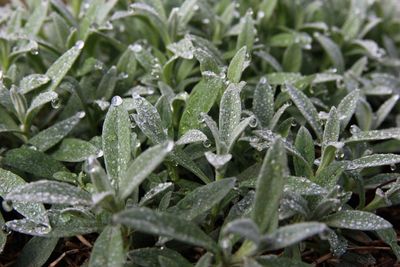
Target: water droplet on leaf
x=116 y=101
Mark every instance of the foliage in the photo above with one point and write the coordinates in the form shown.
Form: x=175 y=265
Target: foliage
x=199 y=132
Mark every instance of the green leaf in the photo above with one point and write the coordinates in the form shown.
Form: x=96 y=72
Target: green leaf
x=364 y=114
x=3 y=236
x=384 y=110
x=49 y=137
x=205 y=260
x=201 y=100
x=90 y=18
x=230 y=112
x=63 y=64
x=108 y=250
x=333 y=51
x=356 y=220
x=291 y=234
x=39 y=101
x=192 y=136
x=202 y=199
x=292 y=58
x=182 y=158
x=329 y=139
x=116 y=138
x=36 y=19
x=303 y=186
x=33 y=162
x=238 y=65
x=107 y=84
x=185 y=13
x=75 y=150
x=269 y=189
x=263 y=102
x=148 y=120
x=164 y=224
x=50 y=192
x=32 y=82
x=247 y=35
x=306 y=108
x=389 y=236
x=347 y=107
x=36 y=252
x=374 y=160
x=149 y=256
x=142 y=167
x=305 y=145
x=33 y=211
x=374 y=135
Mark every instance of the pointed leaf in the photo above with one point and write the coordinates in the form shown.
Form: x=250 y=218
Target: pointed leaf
x=333 y=51
x=164 y=224
x=238 y=65
x=374 y=160
x=32 y=82
x=192 y=136
x=108 y=250
x=270 y=183
x=50 y=192
x=116 y=140
x=306 y=108
x=384 y=110
x=142 y=166
x=356 y=220
x=75 y=150
x=36 y=252
x=374 y=135
x=263 y=102
x=347 y=107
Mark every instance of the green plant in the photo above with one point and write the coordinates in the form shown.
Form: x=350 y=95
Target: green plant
x=108 y=124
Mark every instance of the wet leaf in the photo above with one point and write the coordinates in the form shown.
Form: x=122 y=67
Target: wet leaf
x=357 y=220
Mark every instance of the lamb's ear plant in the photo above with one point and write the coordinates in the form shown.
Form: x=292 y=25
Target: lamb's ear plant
x=200 y=133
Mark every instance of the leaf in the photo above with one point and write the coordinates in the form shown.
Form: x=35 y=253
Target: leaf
x=32 y=82
x=389 y=236
x=182 y=158
x=201 y=100
x=89 y=18
x=202 y=199
x=333 y=51
x=303 y=186
x=269 y=189
x=306 y=108
x=33 y=162
x=50 y=192
x=62 y=225
x=33 y=211
x=39 y=101
x=148 y=120
x=329 y=139
x=164 y=224
x=247 y=35
x=205 y=260
x=116 y=138
x=107 y=84
x=244 y=227
x=237 y=65
x=155 y=192
x=305 y=145
x=384 y=110
x=347 y=107
x=63 y=64
x=49 y=137
x=192 y=136
x=36 y=252
x=374 y=135
x=3 y=236
x=292 y=58
x=36 y=19
x=185 y=13
x=149 y=256
x=230 y=111
x=108 y=250
x=263 y=102
x=356 y=220
x=374 y=160
x=75 y=150
x=291 y=234
x=364 y=115
x=142 y=167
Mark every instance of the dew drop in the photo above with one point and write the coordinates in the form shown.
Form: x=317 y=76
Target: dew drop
x=116 y=101
x=196 y=7
x=81 y=114
x=392 y=167
x=132 y=119
x=80 y=44
x=253 y=122
x=260 y=15
x=123 y=75
x=339 y=154
x=7 y=205
x=354 y=129
x=35 y=52
x=56 y=103
x=136 y=48
x=100 y=153
x=205 y=21
x=201 y=118
x=6 y=230
x=263 y=80
x=294 y=123
x=206 y=143
x=32 y=147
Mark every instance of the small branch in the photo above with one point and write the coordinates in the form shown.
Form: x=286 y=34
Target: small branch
x=323 y=258
x=57 y=261
x=84 y=241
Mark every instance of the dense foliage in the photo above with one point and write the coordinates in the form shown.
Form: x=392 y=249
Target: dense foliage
x=200 y=132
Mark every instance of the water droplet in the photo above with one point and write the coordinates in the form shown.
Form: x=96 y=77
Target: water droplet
x=392 y=167
x=206 y=143
x=201 y=118
x=288 y=103
x=32 y=147
x=91 y=164
x=260 y=15
x=7 y=205
x=123 y=75
x=56 y=103
x=263 y=80
x=116 y=101
x=196 y=7
x=35 y=52
x=80 y=44
x=170 y=146
x=136 y=48
x=81 y=114
x=354 y=129
x=253 y=122
x=100 y=153
x=339 y=154
x=205 y=21
x=132 y=119
x=294 y=123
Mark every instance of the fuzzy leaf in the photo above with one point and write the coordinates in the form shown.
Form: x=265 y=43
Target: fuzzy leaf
x=347 y=107
x=333 y=51
x=192 y=136
x=32 y=82
x=374 y=160
x=164 y=224
x=238 y=65
x=374 y=135
x=75 y=150
x=263 y=102
x=357 y=220
x=36 y=252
